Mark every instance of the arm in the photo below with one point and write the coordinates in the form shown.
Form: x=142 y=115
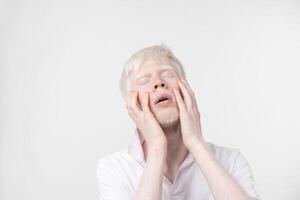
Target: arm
x=150 y=186
x=222 y=185
x=111 y=187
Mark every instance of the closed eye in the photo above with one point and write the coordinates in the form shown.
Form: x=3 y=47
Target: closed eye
x=169 y=74
x=143 y=81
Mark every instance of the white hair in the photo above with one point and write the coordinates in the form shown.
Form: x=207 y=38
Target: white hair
x=156 y=53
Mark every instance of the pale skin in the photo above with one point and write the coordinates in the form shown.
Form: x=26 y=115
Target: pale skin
x=167 y=144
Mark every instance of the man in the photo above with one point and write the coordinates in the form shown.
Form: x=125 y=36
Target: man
x=167 y=157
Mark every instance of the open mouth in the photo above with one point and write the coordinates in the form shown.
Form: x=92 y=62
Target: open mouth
x=162 y=98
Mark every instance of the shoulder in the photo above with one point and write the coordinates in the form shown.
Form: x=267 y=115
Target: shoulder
x=222 y=152
x=237 y=165
x=112 y=164
x=229 y=157
x=112 y=177
x=113 y=158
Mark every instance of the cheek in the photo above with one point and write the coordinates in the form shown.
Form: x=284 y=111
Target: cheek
x=142 y=89
x=173 y=83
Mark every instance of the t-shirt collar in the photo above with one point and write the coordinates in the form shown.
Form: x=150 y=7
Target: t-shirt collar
x=135 y=149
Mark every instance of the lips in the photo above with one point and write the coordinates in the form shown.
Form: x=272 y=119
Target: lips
x=162 y=97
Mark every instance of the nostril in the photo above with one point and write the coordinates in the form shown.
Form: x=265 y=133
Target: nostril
x=161 y=85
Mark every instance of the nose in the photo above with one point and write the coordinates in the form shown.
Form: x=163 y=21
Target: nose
x=160 y=84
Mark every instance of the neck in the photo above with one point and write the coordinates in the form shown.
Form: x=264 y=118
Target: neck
x=176 y=151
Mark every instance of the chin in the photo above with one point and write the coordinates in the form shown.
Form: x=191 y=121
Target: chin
x=167 y=117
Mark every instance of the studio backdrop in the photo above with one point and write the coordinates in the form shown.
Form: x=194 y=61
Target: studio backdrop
x=61 y=108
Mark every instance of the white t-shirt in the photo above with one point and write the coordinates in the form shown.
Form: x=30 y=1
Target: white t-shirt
x=118 y=174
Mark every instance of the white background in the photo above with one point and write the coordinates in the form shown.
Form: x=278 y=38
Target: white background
x=60 y=105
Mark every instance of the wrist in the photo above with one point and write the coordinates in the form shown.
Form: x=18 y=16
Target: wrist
x=194 y=144
x=156 y=155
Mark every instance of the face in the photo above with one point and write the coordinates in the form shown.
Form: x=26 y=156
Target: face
x=158 y=79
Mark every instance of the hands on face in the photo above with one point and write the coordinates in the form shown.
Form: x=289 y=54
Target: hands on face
x=145 y=120
x=150 y=128
x=188 y=113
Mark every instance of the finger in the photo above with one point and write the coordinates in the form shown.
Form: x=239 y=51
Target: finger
x=186 y=95
x=129 y=105
x=188 y=86
x=193 y=97
x=145 y=102
x=179 y=99
x=133 y=103
x=198 y=112
x=132 y=115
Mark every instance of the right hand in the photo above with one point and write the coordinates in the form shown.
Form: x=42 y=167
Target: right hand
x=145 y=121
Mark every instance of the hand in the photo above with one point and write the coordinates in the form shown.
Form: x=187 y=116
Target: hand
x=145 y=121
x=189 y=114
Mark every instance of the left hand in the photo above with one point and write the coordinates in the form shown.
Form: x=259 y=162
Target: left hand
x=189 y=114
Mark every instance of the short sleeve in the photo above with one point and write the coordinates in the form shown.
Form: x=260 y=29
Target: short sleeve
x=110 y=183
x=244 y=176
